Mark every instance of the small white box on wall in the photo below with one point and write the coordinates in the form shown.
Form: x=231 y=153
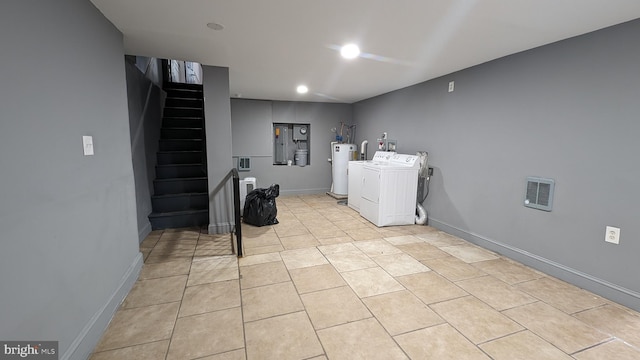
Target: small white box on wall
x=246 y=186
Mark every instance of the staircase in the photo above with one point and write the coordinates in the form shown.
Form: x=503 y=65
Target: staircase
x=180 y=189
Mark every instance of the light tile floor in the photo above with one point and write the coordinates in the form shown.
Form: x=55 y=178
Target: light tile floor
x=327 y=284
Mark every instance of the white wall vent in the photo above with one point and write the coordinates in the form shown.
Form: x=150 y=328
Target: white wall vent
x=539 y=193
x=244 y=163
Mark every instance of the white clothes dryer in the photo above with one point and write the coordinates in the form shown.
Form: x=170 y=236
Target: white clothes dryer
x=389 y=190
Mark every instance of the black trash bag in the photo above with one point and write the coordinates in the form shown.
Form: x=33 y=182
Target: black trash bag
x=260 y=206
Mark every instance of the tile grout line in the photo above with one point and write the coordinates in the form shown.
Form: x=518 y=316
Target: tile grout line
x=315 y=331
x=244 y=331
x=529 y=330
x=175 y=323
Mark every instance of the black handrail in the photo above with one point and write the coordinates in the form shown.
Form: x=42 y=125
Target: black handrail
x=236 y=204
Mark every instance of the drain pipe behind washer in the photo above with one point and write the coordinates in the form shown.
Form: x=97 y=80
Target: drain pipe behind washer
x=363 y=150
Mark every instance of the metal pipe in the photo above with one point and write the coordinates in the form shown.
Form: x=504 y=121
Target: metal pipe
x=236 y=210
x=331 y=161
x=363 y=150
x=421 y=218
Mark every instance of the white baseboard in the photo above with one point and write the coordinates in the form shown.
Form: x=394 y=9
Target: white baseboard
x=578 y=278
x=303 y=191
x=86 y=341
x=221 y=228
x=142 y=233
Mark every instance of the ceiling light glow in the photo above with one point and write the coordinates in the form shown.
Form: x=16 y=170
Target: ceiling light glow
x=302 y=89
x=350 y=51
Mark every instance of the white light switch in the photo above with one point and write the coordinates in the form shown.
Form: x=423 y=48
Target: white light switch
x=451 y=86
x=87 y=145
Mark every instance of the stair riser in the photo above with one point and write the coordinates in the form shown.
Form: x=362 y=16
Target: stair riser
x=181 y=85
x=180 y=145
x=181 y=102
x=184 y=93
x=180 y=203
x=182 y=112
x=169 y=122
x=179 y=221
x=176 y=133
x=180 y=186
x=172 y=172
x=180 y=158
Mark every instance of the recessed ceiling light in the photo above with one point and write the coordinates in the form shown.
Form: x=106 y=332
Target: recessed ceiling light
x=350 y=51
x=301 y=89
x=215 y=26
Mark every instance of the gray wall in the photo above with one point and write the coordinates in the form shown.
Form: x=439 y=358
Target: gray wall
x=218 y=132
x=252 y=130
x=151 y=68
x=68 y=221
x=568 y=111
x=145 y=101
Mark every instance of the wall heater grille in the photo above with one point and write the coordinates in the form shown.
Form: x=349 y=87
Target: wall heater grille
x=244 y=163
x=539 y=193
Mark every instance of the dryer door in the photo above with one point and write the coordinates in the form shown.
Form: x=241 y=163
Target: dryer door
x=370 y=184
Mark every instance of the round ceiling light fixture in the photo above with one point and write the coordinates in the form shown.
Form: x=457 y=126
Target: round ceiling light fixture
x=301 y=89
x=215 y=26
x=350 y=51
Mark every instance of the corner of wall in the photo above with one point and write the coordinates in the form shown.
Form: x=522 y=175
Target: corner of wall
x=144 y=231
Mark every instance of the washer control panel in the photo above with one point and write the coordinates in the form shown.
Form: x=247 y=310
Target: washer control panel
x=405 y=160
x=382 y=156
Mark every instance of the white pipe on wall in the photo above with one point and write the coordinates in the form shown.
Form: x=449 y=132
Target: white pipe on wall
x=363 y=150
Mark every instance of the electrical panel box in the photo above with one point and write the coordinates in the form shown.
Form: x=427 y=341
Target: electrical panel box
x=290 y=144
x=300 y=132
x=281 y=135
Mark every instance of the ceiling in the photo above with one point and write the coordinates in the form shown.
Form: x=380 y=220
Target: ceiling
x=272 y=46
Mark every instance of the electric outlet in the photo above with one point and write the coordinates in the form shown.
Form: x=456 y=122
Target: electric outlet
x=451 y=86
x=612 y=235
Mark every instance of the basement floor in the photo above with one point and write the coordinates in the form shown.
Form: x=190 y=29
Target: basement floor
x=327 y=284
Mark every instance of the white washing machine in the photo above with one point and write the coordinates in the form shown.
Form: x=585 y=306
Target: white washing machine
x=389 y=190
x=355 y=177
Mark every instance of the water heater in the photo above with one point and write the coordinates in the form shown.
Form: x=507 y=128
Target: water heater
x=341 y=155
